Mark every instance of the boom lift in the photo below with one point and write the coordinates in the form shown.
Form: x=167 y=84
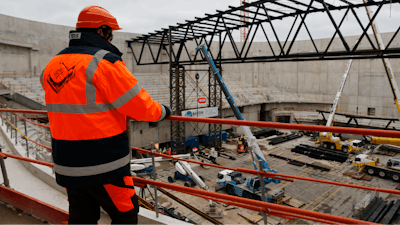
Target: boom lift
x=327 y=140
x=185 y=172
x=255 y=149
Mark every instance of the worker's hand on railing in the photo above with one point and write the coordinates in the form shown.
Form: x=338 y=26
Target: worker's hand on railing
x=167 y=111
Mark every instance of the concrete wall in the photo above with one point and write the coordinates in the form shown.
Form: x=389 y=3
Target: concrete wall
x=27 y=46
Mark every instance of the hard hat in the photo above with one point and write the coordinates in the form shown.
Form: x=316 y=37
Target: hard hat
x=96 y=16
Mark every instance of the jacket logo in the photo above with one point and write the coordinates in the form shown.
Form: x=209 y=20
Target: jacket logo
x=65 y=74
x=73 y=36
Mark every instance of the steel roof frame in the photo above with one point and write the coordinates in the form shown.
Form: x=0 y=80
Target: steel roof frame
x=261 y=13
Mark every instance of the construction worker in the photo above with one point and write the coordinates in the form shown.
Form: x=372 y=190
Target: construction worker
x=242 y=145
x=89 y=92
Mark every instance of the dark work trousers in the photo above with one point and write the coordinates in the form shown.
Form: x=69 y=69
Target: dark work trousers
x=114 y=198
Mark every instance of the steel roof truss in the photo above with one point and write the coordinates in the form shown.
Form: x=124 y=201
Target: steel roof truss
x=309 y=34
x=247 y=37
x=235 y=49
x=334 y=24
x=298 y=29
x=290 y=31
x=269 y=43
x=366 y=28
x=362 y=27
x=390 y=42
x=333 y=37
x=273 y=29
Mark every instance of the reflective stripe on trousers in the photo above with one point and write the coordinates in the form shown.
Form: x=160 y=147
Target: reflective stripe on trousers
x=92 y=170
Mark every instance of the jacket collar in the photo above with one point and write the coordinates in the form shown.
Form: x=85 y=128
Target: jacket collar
x=91 y=39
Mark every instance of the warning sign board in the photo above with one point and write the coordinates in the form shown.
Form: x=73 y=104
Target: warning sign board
x=202 y=101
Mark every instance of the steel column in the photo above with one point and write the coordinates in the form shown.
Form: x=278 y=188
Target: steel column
x=177 y=100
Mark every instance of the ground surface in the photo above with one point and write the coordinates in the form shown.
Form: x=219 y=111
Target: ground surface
x=9 y=216
x=336 y=200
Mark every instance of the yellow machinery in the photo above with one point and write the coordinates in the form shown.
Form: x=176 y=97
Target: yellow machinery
x=362 y=159
x=384 y=140
x=327 y=140
x=372 y=166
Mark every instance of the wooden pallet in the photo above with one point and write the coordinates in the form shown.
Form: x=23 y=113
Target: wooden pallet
x=358 y=176
x=288 y=200
x=386 y=153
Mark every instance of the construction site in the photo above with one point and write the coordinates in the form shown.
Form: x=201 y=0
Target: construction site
x=279 y=131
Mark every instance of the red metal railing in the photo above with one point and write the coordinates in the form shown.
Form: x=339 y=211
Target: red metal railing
x=344 y=130
x=269 y=208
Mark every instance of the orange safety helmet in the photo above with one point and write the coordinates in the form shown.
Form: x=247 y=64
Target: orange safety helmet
x=96 y=16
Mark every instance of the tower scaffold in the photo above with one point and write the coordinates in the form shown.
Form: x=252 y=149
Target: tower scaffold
x=244 y=20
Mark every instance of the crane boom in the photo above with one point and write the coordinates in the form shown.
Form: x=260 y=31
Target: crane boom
x=246 y=130
x=386 y=62
x=338 y=95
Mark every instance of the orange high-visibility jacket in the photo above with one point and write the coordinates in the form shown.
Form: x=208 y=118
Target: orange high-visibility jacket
x=89 y=92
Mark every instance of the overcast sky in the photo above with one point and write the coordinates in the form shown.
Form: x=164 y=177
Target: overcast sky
x=143 y=16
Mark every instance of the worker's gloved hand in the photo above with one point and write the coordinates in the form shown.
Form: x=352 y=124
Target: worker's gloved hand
x=167 y=112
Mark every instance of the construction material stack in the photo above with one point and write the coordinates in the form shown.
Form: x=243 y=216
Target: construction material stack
x=321 y=153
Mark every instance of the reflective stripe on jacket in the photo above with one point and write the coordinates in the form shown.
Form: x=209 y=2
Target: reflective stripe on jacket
x=89 y=92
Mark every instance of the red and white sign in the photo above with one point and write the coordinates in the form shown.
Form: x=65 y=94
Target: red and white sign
x=202 y=101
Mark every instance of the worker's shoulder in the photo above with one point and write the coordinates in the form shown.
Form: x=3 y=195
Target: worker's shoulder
x=112 y=57
x=89 y=50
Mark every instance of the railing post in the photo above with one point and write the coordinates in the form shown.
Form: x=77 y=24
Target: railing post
x=154 y=176
x=16 y=123
x=7 y=125
x=2 y=119
x=26 y=137
x=4 y=171
x=260 y=166
x=10 y=122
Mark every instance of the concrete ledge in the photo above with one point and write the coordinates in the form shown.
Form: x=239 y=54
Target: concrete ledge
x=51 y=181
x=19 y=44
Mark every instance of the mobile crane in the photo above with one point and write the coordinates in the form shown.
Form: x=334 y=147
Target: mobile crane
x=253 y=185
x=327 y=140
x=386 y=62
x=392 y=82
